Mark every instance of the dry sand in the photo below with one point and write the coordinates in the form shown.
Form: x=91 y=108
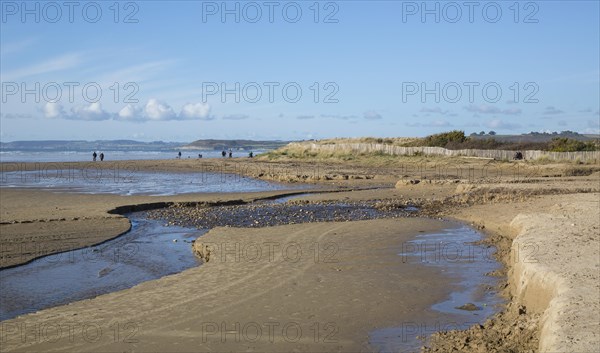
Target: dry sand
x=549 y=220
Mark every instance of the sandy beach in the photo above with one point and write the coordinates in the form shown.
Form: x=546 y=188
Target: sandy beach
x=545 y=227
x=305 y=176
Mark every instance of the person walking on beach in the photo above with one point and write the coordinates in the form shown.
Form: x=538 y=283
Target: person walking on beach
x=230 y=153
x=223 y=153
x=179 y=155
x=94 y=156
x=101 y=156
x=250 y=155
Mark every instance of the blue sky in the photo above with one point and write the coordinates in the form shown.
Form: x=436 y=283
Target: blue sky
x=157 y=70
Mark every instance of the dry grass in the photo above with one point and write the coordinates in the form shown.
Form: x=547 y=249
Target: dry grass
x=396 y=141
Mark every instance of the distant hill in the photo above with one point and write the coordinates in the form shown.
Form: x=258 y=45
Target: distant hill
x=234 y=144
x=536 y=137
x=79 y=146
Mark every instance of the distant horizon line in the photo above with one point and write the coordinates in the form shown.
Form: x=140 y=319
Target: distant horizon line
x=274 y=140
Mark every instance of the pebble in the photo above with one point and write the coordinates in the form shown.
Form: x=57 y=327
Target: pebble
x=271 y=214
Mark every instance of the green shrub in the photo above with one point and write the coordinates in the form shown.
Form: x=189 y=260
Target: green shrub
x=441 y=140
x=565 y=144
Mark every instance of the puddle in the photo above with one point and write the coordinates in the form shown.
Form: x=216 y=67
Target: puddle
x=467 y=264
x=145 y=253
x=284 y=199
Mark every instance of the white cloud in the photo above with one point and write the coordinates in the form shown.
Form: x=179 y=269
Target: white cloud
x=130 y=112
x=156 y=110
x=93 y=111
x=195 y=111
x=53 y=110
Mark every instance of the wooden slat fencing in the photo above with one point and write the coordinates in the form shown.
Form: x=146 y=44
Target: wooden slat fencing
x=584 y=156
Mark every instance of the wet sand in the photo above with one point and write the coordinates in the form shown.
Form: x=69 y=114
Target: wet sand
x=331 y=283
x=35 y=223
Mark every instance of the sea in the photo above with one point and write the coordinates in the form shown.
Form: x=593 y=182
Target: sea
x=86 y=156
x=47 y=170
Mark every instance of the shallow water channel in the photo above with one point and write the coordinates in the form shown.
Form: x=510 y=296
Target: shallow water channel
x=457 y=254
x=148 y=251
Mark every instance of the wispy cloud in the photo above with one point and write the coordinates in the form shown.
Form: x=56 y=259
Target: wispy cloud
x=435 y=110
x=581 y=77
x=16 y=116
x=372 y=115
x=134 y=73
x=17 y=46
x=61 y=63
x=488 y=109
x=236 y=117
x=342 y=117
x=552 y=111
x=502 y=125
x=435 y=123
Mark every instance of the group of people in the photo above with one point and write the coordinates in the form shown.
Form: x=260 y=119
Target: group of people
x=95 y=155
x=224 y=154
x=179 y=155
x=230 y=153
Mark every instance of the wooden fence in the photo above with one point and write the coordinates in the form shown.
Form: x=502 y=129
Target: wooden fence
x=584 y=156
